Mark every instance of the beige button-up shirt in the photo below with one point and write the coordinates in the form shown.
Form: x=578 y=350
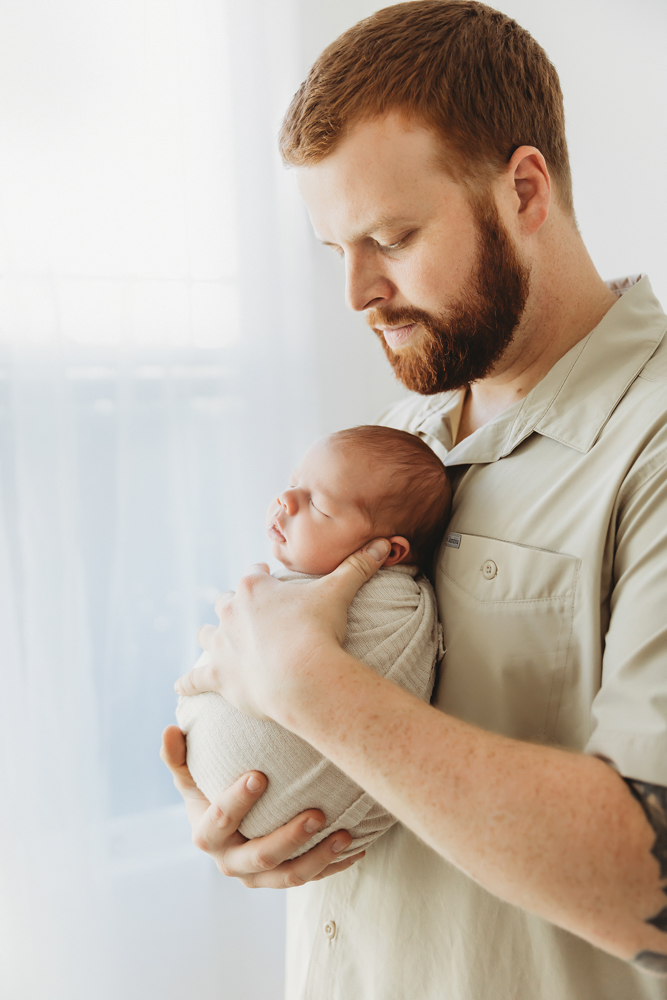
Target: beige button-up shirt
x=552 y=589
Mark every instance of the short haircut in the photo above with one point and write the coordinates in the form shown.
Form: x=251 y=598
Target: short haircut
x=469 y=72
x=417 y=499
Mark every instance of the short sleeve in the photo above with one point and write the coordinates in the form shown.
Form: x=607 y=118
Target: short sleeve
x=629 y=713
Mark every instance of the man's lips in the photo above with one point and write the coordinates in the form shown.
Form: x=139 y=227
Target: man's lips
x=396 y=336
x=276 y=534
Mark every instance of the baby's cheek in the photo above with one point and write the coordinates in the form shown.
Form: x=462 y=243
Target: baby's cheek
x=322 y=552
x=343 y=545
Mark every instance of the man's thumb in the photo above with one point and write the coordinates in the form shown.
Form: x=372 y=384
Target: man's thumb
x=378 y=550
x=358 y=568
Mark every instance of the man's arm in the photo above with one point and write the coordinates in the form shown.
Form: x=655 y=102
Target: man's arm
x=259 y=862
x=554 y=832
x=653 y=800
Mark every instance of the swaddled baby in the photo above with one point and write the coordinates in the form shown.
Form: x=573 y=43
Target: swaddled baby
x=351 y=487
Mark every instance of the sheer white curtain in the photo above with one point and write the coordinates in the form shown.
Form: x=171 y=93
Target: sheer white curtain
x=162 y=363
x=155 y=388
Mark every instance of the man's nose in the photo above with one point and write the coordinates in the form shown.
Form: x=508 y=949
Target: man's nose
x=366 y=285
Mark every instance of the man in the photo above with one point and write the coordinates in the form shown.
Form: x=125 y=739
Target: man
x=531 y=853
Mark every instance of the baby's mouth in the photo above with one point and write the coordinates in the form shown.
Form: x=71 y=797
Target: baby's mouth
x=275 y=533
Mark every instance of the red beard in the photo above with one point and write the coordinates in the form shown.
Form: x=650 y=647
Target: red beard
x=463 y=346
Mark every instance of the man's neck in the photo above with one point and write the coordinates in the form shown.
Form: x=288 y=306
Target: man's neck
x=565 y=304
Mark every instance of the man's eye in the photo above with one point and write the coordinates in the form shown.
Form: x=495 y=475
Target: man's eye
x=398 y=245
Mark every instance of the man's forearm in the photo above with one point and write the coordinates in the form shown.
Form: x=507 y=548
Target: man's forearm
x=554 y=832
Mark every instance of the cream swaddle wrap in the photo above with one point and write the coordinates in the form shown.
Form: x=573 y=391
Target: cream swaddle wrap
x=392 y=626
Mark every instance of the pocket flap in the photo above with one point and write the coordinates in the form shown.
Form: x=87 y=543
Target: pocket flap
x=491 y=570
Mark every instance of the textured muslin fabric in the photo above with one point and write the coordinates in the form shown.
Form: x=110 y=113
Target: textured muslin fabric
x=392 y=626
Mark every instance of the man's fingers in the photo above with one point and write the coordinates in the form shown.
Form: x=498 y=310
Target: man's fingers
x=358 y=568
x=202 y=677
x=205 y=635
x=303 y=869
x=264 y=854
x=257 y=861
x=173 y=748
x=222 y=600
x=258 y=568
x=173 y=754
x=222 y=818
x=340 y=866
x=310 y=865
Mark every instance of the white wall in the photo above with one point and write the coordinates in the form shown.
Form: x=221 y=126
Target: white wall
x=610 y=57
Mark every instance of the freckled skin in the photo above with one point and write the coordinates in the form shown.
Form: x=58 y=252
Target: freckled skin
x=556 y=833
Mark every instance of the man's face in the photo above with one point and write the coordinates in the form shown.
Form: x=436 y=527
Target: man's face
x=439 y=278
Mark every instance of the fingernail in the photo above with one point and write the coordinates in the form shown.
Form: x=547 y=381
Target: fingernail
x=253 y=784
x=311 y=825
x=338 y=846
x=379 y=550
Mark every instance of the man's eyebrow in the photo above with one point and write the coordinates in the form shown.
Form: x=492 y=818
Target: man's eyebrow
x=382 y=222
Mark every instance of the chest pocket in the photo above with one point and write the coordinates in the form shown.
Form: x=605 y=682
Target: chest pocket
x=507 y=612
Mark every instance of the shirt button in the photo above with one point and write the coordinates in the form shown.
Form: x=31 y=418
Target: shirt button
x=330 y=929
x=489 y=569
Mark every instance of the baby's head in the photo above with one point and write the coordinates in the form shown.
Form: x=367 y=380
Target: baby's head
x=356 y=485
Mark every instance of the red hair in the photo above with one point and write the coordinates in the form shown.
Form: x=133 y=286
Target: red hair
x=416 y=500
x=469 y=72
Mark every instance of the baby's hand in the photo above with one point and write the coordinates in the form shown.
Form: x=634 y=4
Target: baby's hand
x=261 y=862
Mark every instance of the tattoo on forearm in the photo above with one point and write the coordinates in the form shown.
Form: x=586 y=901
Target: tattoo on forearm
x=653 y=800
x=651 y=961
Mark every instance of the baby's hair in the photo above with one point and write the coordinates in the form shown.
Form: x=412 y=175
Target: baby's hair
x=417 y=502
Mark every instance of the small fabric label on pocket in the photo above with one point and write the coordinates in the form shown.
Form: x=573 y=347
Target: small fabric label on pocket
x=453 y=540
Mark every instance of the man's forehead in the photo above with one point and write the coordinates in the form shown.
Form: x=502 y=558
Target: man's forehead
x=378 y=177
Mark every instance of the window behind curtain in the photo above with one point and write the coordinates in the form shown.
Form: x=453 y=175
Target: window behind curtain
x=154 y=391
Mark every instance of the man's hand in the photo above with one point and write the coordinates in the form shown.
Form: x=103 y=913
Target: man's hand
x=273 y=634
x=260 y=862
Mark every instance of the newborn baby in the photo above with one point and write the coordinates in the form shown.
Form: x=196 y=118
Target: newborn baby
x=351 y=487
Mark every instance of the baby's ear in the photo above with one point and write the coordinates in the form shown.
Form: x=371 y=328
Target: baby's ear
x=400 y=550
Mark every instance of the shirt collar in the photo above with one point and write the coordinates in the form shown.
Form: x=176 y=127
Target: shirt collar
x=574 y=400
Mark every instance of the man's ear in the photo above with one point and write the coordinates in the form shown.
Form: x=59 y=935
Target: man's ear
x=400 y=550
x=528 y=174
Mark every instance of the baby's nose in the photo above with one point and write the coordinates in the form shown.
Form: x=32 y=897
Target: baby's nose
x=286 y=501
